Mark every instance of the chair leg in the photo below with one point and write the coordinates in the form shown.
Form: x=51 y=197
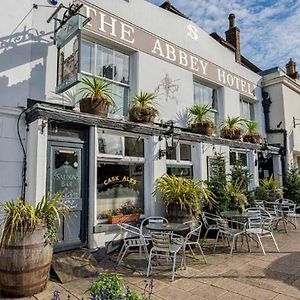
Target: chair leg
x=174 y=266
x=192 y=250
x=233 y=244
x=200 y=248
x=247 y=241
x=124 y=252
x=217 y=238
x=272 y=236
x=261 y=245
x=120 y=253
x=205 y=235
x=149 y=263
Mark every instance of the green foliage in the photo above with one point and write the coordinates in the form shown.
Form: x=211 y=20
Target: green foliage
x=21 y=217
x=238 y=172
x=233 y=122
x=251 y=126
x=187 y=193
x=126 y=209
x=97 y=88
x=144 y=100
x=217 y=183
x=291 y=185
x=268 y=190
x=236 y=192
x=200 y=114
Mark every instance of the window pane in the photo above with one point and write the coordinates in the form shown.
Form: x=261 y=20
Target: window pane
x=184 y=171
x=232 y=158
x=120 y=94
x=134 y=147
x=185 y=152
x=108 y=69
x=110 y=144
x=99 y=61
x=205 y=95
x=121 y=68
x=87 y=57
x=243 y=158
x=118 y=184
x=171 y=153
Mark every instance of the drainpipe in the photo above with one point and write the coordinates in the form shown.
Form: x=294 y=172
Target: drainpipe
x=266 y=103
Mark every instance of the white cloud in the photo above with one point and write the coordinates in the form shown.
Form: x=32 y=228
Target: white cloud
x=270 y=29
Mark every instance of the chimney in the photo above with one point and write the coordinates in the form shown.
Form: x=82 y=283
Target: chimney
x=233 y=37
x=291 y=69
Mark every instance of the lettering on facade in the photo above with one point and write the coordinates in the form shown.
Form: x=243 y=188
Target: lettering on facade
x=120 y=179
x=105 y=24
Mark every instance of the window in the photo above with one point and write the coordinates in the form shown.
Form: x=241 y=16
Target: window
x=179 y=161
x=109 y=64
x=206 y=95
x=247 y=109
x=235 y=156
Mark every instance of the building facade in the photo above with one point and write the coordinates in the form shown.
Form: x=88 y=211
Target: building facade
x=101 y=163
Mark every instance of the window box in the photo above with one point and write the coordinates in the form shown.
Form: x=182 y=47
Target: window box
x=123 y=218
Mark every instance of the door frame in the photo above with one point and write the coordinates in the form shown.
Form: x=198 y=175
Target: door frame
x=73 y=143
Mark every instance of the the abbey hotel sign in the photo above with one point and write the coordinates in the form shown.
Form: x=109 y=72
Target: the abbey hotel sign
x=121 y=31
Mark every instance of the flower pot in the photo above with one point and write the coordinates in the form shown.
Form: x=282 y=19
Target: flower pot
x=123 y=218
x=94 y=106
x=205 y=128
x=177 y=215
x=142 y=115
x=25 y=264
x=254 y=138
x=232 y=134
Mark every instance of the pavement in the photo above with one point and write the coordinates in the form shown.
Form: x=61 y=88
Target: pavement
x=241 y=276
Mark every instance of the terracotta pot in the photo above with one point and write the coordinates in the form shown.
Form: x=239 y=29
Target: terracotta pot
x=142 y=115
x=232 y=134
x=94 y=106
x=123 y=218
x=203 y=128
x=254 y=138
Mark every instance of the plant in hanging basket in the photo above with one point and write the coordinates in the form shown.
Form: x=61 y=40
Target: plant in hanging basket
x=252 y=136
x=96 y=96
x=232 y=128
x=126 y=213
x=142 y=109
x=200 y=121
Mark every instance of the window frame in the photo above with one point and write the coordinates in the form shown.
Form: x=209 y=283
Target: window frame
x=251 y=106
x=237 y=152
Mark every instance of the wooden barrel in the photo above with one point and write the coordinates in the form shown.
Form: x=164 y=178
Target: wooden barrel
x=25 y=264
x=177 y=215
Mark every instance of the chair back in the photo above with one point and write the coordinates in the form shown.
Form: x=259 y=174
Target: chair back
x=161 y=242
x=222 y=225
x=208 y=218
x=195 y=229
x=153 y=220
x=255 y=222
x=130 y=230
x=254 y=211
x=259 y=203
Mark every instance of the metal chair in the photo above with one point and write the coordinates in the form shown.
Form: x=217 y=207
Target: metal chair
x=150 y=220
x=162 y=247
x=262 y=228
x=229 y=233
x=259 y=203
x=132 y=238
x=210 y=222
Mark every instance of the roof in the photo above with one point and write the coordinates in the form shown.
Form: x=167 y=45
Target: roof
x=168 y=6
x=245 y=62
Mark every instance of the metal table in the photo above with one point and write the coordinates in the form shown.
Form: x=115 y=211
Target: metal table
x=234 y=214
x=175 y=227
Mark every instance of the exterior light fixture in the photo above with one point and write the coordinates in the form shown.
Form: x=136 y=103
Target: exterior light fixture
x=266 y=151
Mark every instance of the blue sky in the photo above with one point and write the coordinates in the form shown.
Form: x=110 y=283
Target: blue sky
x=270 y=29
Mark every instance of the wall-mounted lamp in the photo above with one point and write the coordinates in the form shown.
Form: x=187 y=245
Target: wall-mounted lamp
x=265 y=150
x=171 y=136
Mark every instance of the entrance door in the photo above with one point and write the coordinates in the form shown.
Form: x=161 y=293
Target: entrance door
x=66 y=174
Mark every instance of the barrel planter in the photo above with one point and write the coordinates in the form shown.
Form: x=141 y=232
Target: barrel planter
x=25 y=264
x=177 y=215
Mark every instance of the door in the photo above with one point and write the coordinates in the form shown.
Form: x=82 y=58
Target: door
x=66 y=174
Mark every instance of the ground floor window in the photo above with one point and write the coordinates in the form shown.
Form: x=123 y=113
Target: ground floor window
x=235 y=156
x=184 y=171
x=118 y=183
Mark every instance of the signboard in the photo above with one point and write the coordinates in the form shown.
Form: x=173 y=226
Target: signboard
x=114 y=28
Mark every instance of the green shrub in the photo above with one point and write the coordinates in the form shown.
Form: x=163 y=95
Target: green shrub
x=291 y=186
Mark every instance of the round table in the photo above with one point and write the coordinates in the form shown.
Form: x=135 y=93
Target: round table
x=233 y=214
x=176 y=227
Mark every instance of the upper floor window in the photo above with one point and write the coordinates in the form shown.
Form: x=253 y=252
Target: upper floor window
x=206 y=95
x=247 y=109
x=111 y=65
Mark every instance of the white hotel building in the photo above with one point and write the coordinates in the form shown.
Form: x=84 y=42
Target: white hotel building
x=136 y=46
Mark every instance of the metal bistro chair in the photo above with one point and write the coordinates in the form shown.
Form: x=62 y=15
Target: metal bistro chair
x=162 y=247
x=151 y=220
x=132 y=238
x=210 y=222
x=228 y=233
x=262 y=228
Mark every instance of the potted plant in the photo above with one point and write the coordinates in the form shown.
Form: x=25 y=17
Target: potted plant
x=142 y=109
x=231 y=128
x=236 y=193
x=200 y=121
x=252 y=136
x=126 y=213
x=268 y=190
x=27 y=235
x=182 y=197
x=96 y=96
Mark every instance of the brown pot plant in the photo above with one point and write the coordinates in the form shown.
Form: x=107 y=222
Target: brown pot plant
x=232 y=128
x=96 y=96
x=200 y=121
x=182 y=197
x=252 y=136
x=26 y=244
x=142 y=109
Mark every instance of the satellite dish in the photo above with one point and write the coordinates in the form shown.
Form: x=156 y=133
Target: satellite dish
x=53 y=2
